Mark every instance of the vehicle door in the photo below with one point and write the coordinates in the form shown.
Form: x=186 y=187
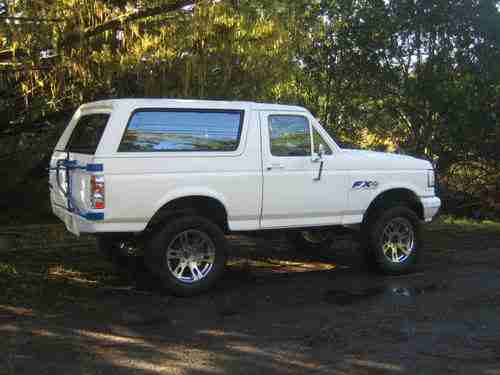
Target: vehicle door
x=302 y=184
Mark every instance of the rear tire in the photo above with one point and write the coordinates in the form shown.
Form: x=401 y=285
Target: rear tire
x=188 y=255
x=393 y=240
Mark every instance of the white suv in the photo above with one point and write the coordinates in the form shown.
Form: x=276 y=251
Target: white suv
x=180 y=174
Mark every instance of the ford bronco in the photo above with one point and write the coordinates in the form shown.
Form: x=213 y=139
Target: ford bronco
x=179 y=175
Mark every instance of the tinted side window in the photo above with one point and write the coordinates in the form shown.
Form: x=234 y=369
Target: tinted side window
x=87 y=133
x=289 y=135
x=182 y=130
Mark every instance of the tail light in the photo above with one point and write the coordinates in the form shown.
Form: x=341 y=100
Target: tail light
x=97 y=192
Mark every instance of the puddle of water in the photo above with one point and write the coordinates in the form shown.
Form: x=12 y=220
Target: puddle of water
x=348 y=297
x=408 y=291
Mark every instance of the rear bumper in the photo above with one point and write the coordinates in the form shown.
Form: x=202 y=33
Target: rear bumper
x=431 y=207
x=92 y=223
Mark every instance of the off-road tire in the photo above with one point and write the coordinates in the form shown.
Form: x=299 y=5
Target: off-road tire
x=156 y=254
x=372 y=235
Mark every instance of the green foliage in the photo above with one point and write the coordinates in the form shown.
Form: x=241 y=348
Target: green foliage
x=418 y=76
x=421 y=73
x=464 y=225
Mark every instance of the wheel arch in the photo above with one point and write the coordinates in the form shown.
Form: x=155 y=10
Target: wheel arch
x=206 y=205
x=390 y=197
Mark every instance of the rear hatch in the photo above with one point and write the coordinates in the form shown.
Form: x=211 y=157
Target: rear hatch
x=72 y=163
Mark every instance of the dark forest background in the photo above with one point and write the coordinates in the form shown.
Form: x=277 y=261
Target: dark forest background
x=418 y=77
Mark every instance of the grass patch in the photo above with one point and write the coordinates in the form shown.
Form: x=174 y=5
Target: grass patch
x=467 y=224
x=451 y=234
x=53 y=274
x=463 y=227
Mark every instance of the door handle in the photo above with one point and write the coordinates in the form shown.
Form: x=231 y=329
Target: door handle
x=275 y=166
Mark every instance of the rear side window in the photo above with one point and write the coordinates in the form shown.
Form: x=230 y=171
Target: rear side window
x=87 y=133
x=182 y=130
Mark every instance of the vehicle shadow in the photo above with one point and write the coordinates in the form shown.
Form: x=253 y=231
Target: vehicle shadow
x=257 y=260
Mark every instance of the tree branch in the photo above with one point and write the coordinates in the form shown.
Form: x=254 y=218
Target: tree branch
x=29 y=19
x=143 y=13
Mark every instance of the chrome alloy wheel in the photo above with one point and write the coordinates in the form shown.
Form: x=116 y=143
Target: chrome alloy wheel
x=190 y=256
x=398 y=240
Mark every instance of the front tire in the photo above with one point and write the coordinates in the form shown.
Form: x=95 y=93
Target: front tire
x=188 y=255
x=394 y=240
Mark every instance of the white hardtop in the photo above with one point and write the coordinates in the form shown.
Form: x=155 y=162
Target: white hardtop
x=188 y=103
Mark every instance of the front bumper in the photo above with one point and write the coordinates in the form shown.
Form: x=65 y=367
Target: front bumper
x=431 y=207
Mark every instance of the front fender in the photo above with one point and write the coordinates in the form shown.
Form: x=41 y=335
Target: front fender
x=361 y=196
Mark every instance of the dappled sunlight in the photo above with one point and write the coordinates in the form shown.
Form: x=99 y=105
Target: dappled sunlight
x=19 y=311
x=271 y=265
x=171 y=367
x=60 y=272
x=9 y=328
x=289 y=266
x=112 y=338
x=52 y=272
x=221 y=333
x=156 y=356
x=317 y=317
x=44 y=333
x=375 y=365
x=278 y=357
x=176 y=357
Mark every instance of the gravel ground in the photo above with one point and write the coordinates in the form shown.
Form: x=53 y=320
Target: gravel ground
x=277 y=310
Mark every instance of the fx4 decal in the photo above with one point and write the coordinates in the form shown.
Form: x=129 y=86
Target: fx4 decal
x=358 y=185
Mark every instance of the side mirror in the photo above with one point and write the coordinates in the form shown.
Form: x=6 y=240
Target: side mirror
x=318 y=156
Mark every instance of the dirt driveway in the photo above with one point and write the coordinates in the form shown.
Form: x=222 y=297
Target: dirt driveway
x=277 y=311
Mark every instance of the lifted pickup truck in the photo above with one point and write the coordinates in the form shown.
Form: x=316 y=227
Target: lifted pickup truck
x=180 y=174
